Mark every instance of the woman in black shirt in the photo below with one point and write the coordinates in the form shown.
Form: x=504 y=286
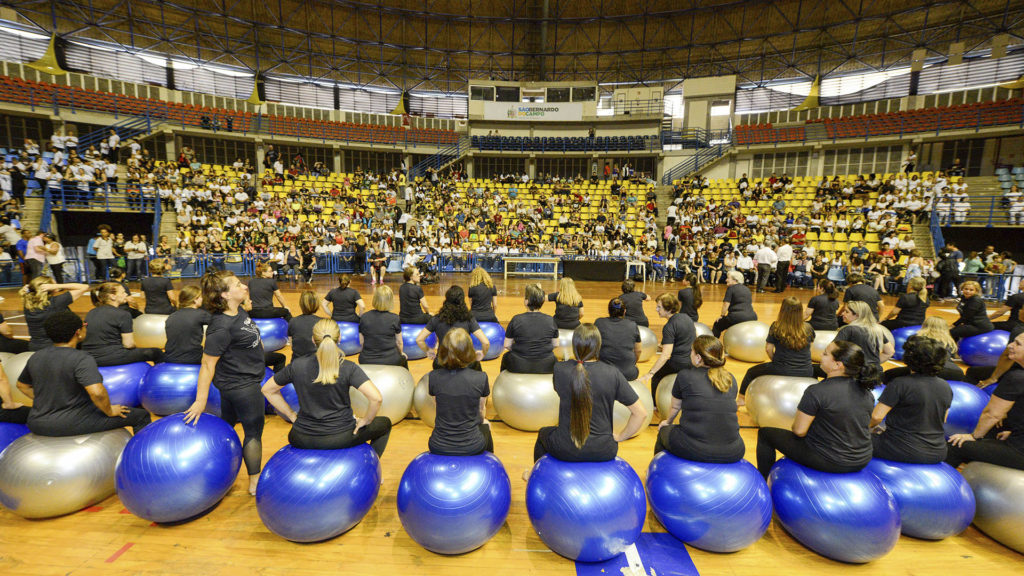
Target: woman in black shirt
x=530 y=338
x=822 y=308
x=346 y=303
x=483 y=297
x=110 y=338
x=831 y=430
x=117 y=275
x=263 y=290
x=676 y=342
x=587 y=391
x=233 y=361
x=788 y=346
x=689 y=296
x=709 y=430
x=863 y=330
x=737 y=306
x=935 y=328
x=380 y=332
x=39 y=303
x=973 y=314
x=914 y=407
x=453 y=314
x=460 y=394
x=322 y=381
x=568 y=305
x=634 y=302
x=620 y=340
x=185 y=328
x=412 y=303
x=911 y=307
x=158 y=290
x=300 y=328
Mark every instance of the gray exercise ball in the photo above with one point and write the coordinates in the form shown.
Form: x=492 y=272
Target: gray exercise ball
x=620 y=413
x=745 y=341
x=423 y=402
x=703 y=329
x=14 y=365
x=525 y=401
x=822 y=338
x=772 y=400
x=999 y=495
x=396 y=388
x=648 y=343
x=44 y=476
x=564 y=349
x=150 y=331
x=663 y=395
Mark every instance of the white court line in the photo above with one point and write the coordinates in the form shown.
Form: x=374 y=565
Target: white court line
x=16 y=323
x=13 y=317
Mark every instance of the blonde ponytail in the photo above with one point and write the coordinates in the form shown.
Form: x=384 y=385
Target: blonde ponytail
x=918 y=284
x=328 y=356
x=712 y=354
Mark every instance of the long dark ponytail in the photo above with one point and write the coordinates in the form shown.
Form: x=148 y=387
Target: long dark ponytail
x=694 y=282
x=586 y=343
x=852 y=357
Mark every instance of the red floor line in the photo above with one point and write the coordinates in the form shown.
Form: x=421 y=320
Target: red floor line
x=121 y=551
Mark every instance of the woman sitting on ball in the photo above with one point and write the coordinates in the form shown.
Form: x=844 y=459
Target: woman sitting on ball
x=346 y=303
x=300 y=328
x=676 y=341
x=460 y=394
x=634 y=303
x=708 y=430
x=934 y=328
x=110 y=338
x=690 y=299
x=483 y=297
x=910 y=308
x=914 y=407
x=453 y=314
x=568 y=305
x=788 y=346
x=380 y=332
x=322 y=382
x=159 y=291
x=263 y=290
x=530 y=338
x=973 y=314
x=822 y=308
x=412 y=303
x=39 y=303
x=620 y=340
x=736 y=306
x=185 y=328
x=863 y=330
x=831 y=430
x=587 y=391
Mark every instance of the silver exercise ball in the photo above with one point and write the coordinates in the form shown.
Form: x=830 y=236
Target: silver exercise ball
x=745 y=341
x=999 y=494
x=44 y=476
x=703 y=329
x=564 y=349
x=14 y=365
x=396 y=387
x=525 y=401
x=822 y=338
x=648 y=343
x=772 y=400
x=149 y=331
x=620 y=413
x=664 y=395
x=423 y=403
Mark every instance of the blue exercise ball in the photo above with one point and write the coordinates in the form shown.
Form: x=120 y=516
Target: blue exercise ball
x=934 y=500
x=273 y=333
x=715 y=507
x=9 y=432
x=290 y=396
x=313 y=495
x=983 y=349
x=171 y=388
x=968 y=403
x=990 y=389
x=495 y=339
x=122 y=382
x=876 y=392
x=348 y=341
x=409 y=346
x=172 y=471
x=586 y=511
x=900 y=336
x=454 y=504
x=847 y=517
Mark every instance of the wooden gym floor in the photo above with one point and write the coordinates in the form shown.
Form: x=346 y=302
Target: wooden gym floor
x=231 y=540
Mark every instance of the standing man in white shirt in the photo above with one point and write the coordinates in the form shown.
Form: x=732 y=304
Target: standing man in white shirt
x=784 y=255
x=114 y=143
x=766 y=260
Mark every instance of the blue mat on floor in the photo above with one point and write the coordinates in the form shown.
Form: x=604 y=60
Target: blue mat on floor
x=660 y=553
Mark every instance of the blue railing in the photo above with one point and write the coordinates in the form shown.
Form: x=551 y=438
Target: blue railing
x=988 y=211
x=694 y=163
x=443 y=156
x=126 y=128
x=695 y=138
x=606 y=144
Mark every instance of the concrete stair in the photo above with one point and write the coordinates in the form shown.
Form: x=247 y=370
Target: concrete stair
x=922 y=236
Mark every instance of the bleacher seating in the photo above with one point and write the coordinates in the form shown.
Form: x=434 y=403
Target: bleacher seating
x=564 y=144
x=766 y=134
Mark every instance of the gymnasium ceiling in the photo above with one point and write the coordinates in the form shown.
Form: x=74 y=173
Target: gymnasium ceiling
x=440 y=44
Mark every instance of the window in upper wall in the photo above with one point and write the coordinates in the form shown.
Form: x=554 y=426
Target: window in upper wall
x=721 y=107
x=588 y=94
x=485 y=93
x=506 y=93
x=559 y=94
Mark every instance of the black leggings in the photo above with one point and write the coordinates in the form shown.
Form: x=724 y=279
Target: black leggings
x=796 y=449
x=947 y=373
x=966 y=331
x=122 y=356
x=520 y=365
x=976 y=374
x=988 y=449
x=485 y=316
x=894 y=323
x=671 y=367
x=275 y=361
x=726 y=322
x=88 y=420
x=485 y=430
x=670 y=438
x=270 y=313
x=15 y=416
x=397 y=360
x=891 y=451
x=245 y=405
x=589 y=453
x=376 y=433
x=769 y=369
x=421 y=318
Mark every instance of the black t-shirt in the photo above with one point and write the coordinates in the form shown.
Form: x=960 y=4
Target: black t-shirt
x=323 y=409
x=862 y=337
x=973 y=313
x=863 y=293
x=236 y=341
x=261 y=291
x=300 y=330
x=707 y=416
x=740 y=302
x=156 y=288
x=531 y=334
x=634 y=302
x=58 y=376
x=34 y=320
x=912 y=309
x=379 y=330
x=914 y=425
x=1011 y=389
x=409 y=296
x=607 y=386
x=1015 y=302
x=481 y=298
x=106 y=324
x=343 y=304
x=679 y=333
x=458 y=394
x=440 y=328
x=842 y=414
x=184 y=330
x=823 y=316
x=566 y=316
x=686 y=306
x=618 y=336
x=789 y=360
